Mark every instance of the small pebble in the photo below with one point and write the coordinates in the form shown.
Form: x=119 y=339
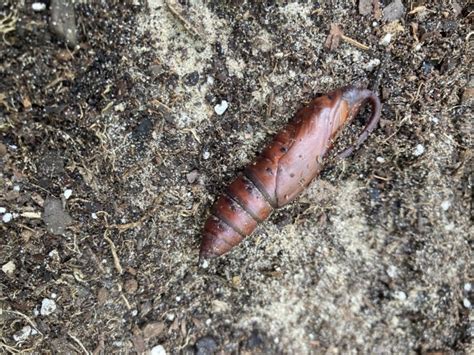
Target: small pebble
x=400 y=295
x=466 y=303
x=67 y=193
x=38 y=6
x=419 y=149
x=205 y=264
x=206 y=345
x=392 y=271
x=192 y=176
x=206 y=155
x=94 y=215
x=445 y=205
x=372 y=64
x=9 y=268
x=210 y=80
x=221 y=108
x=467 y=286
x=158 y=350
x=16 y=188
x=47 y=307
x=22 y=334
x=3 y=210
x=7 y=217
x=380 y=160
x=385 y=41
x=170 y=317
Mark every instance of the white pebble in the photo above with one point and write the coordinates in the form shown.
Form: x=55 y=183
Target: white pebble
x=206 y=155
x=47 y=307
x=210 y=80
x=38 y=6
x=392 y=271
x=134 y=313
x=400 y=295
x=16 y=188
x=467 y=287
x=380 y=159
x=9 y=268
x=466 y=303
x=3 y=210
x=208 y=322
x=94 y=215
x=22 y=334
x=445 y=205
x=158 y=350
x=170 y=317
x=67 y=193
x=53 y=295
x=221 y=108
x=372 y=64
x=385 y=41
x=7 y=217
x=419 y=149
x=178 y=298
x=205 y=264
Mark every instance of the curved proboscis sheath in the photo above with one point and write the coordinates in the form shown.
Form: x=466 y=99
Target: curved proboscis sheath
x=285 y=168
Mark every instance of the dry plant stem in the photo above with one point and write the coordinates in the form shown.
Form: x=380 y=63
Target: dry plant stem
x=114 y=254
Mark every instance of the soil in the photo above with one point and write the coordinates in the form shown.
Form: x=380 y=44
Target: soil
x=112 y=154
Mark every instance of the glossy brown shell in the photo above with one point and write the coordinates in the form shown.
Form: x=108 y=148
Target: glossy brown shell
x=284 y=168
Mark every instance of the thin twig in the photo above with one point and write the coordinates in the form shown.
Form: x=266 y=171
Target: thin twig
x=114 y=254
x=186 y=23
x=355 y=43
x=79 y=343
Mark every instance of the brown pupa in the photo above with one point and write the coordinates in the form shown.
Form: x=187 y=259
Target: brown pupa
x=286 y=166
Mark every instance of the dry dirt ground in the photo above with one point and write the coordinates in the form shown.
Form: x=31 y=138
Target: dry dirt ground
x=112 y=153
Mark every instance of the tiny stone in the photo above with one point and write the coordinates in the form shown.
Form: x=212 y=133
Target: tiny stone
x=130 y=286
x=208 y=322
x=3 y=210
x=47 y=307
x=205 y=264
x=206 y=155
x=7 y=217
x=94 y=215
x=221 y=108
x=372 y=64
x=206 y=345
x=9 y=268
x=158 y=350
x=392 y=271
x=210 y=80
x=467 y=287
x=16 y=188
x=466 y=303
x=445 y=205
x=380 y=160
x=419 y=150
x=134 y=313
x=192 y=176
x=67 y=193
x=393 y=11
x=22 y=334
x=38 y=6
x=400 y=295
x=385 y=41
x=170 y=317
x=53 y=295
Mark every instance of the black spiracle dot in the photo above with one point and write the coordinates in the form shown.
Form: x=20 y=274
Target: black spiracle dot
x=292 y=175
x=269 y=171
x=283 y=149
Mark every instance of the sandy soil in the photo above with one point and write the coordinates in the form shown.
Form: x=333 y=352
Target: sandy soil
x=112 y=154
